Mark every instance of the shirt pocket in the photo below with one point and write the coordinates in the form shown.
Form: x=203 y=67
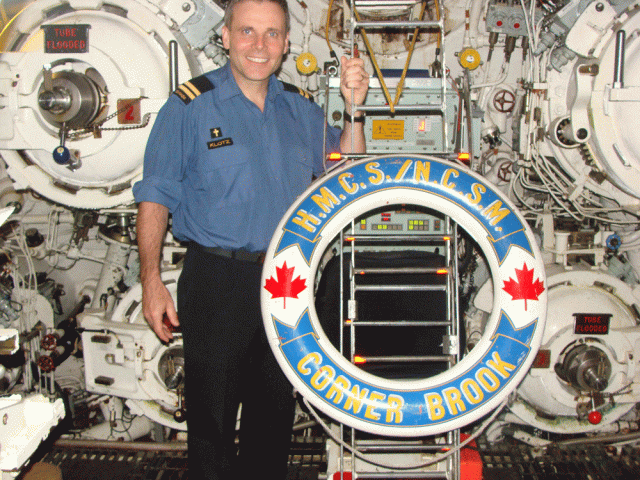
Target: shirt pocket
x=224 y=175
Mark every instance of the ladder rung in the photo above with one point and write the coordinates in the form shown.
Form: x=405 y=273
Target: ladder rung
x=400 y=323
x=406 y=270
x=408 y=288
x=402 y=108
x=394 y=238
x=403 y=474
x=398 y=24
x=385 y=3
x=414 y=359
x=363 y=447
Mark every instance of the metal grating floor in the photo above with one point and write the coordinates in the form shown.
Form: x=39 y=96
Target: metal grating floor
x=102 y=463
x=585 y=462
x=307 y=462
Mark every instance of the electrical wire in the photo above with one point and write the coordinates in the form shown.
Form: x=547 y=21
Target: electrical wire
x=502 y=76
x=527 y=21
x=552 y=181
x=332 y=52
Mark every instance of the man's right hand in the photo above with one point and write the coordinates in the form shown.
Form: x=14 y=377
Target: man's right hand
x=157 y=304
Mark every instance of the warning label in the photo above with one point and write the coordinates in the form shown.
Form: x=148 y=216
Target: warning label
x=388 y=130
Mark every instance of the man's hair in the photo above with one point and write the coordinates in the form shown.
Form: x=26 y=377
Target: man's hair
x=228 y=13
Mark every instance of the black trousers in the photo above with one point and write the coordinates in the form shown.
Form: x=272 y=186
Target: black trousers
x=228 y=361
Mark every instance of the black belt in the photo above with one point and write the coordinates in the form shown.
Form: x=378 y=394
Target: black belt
x=242 y=255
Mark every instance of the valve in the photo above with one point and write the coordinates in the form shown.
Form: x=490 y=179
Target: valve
x=50 y=341
x=180 y=415
x=595 y=417
x=614 y=242
x=70 y=98
x=469 y=59
x=62 y=155
x=585 y=368
x=46 y=363
x=306 y=63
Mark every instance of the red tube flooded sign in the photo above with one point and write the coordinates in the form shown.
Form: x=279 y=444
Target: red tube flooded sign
x=66 y=38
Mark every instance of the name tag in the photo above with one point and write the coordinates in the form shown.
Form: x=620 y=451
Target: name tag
x=223 y=142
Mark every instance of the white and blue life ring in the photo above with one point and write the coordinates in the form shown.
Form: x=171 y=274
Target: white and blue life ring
x=416 y=407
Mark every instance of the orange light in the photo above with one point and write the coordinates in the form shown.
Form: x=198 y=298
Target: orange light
x=442 y=271
x=464 y=156
x=335 y=156
x=349 y=239
x=446 y=239
x=422 y=125
x=358 y=359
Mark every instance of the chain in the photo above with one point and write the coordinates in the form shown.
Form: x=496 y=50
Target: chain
x=98 y=126
x=145 y=122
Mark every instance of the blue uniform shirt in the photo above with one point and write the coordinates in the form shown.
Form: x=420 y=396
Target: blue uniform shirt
x=227 y=171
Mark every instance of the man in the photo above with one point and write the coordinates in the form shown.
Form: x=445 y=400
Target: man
x=228 y=154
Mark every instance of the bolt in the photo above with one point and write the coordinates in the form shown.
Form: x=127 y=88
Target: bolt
x=186 y=7
x=599 y=7
x=5 y=419
x=591 y=69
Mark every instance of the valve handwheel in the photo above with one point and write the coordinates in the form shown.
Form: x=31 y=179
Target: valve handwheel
x=504 y=101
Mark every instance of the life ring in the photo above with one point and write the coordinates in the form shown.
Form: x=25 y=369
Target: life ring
x=392 y=407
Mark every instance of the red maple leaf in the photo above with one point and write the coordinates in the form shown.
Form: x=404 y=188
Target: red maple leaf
x=285 y=287
x=524 y=288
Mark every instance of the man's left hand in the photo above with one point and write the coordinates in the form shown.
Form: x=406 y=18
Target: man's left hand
x=353 y=80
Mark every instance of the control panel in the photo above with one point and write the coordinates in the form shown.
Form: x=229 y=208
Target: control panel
x=422 y=129
x=403 y=219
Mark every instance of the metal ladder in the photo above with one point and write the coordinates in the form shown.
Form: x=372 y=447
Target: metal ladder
x=363 y=26
x=352 y=243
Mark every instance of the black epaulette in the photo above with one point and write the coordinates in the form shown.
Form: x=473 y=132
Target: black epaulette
x=288 y=87
x=194 y=87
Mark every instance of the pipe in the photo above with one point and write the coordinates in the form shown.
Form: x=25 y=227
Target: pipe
x=620 y=437
x=173 y=66
x=142 y=446
x=304 y=425
x=618 y=66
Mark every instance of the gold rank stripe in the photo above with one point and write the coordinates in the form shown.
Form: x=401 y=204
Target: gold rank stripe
x=189 y=90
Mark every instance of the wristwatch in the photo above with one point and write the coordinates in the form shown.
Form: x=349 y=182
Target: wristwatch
x=348 y=118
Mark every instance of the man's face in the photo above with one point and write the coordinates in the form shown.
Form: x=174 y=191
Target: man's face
x=256 y=40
